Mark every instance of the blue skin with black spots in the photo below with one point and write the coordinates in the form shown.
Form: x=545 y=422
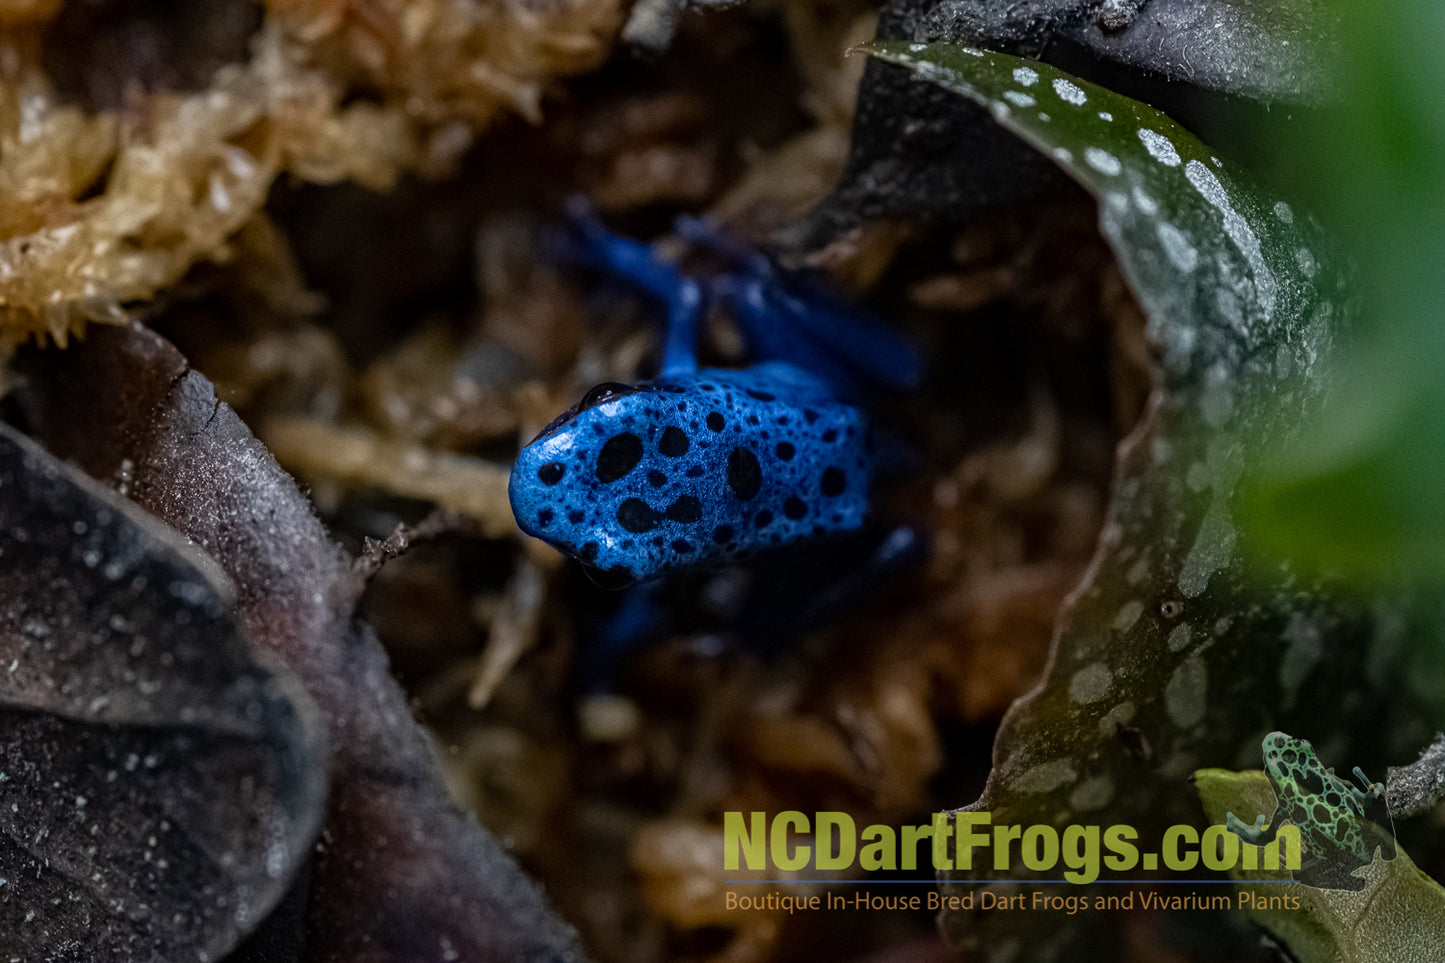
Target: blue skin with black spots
x=704 y=464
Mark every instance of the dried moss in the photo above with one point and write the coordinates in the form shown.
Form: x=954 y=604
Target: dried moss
x=113 y=206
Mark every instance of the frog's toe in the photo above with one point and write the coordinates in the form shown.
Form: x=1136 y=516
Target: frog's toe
x=1249 y=833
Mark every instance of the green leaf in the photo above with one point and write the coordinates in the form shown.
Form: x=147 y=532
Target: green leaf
x=1399 y=916
x=1222 y=269
x=1370 y=467
x=1173 y=653
x=1276 y=51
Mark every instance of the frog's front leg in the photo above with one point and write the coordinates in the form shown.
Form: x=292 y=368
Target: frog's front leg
x=787 y=317
x=637 y=264
x=1260 y=834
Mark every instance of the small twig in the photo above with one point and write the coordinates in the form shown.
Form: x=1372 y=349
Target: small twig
x=377 y=552
x=514 y=630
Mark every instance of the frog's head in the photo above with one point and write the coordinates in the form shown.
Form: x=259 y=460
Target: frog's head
x=1292 y=766
x=605 y=483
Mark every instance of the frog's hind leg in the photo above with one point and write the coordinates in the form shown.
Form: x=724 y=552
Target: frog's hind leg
x=788 y=318
x=589 y=244
x=1325 y=874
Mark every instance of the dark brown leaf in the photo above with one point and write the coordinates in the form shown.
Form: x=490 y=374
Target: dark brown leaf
x=402 y=874
x=160 y=778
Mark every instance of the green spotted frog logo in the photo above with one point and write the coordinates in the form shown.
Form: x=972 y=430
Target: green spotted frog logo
x=1341 y=826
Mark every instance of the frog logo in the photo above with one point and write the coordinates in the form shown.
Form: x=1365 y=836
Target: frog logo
x=1341 y=826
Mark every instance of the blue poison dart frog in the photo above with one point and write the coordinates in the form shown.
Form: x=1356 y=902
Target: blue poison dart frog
x=706 y=464
x=1340 y=826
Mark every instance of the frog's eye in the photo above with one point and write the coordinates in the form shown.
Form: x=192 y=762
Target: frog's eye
x=605 y=392
x=556 y=423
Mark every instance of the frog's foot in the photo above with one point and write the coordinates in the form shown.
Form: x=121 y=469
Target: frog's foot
x=1375 y=790
x=1250 y=834
x=1370 y=802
